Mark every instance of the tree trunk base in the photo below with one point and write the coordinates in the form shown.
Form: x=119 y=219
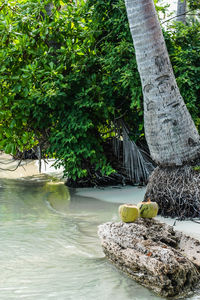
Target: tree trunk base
x=176 y=190
x=154 y=255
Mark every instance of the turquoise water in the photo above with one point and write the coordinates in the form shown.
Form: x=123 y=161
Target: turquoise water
x=49 y=247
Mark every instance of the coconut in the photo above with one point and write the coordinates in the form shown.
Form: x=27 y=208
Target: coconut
x=148 y=209
x=128 y=213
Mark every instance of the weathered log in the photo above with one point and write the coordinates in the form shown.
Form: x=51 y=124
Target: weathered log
x=153 y=254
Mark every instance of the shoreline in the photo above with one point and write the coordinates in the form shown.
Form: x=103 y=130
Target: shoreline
x=27 y=168
x=132 y=195
x=115 y=194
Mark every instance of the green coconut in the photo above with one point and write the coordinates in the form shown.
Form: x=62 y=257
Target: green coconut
x=128 y=213
x=148 y=209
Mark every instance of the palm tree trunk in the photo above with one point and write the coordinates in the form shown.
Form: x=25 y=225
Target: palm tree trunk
x=181 y=11
x=171 y=135
x=49 y=7
x=170 y=131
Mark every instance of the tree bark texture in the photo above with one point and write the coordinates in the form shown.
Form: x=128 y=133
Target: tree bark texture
x=153 y=254
x=169 y=129
x=181 y=11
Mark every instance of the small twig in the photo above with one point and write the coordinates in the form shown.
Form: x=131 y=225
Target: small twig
x=177 y=16
x=174 y=223
x=2 y=6
x=195 y=221
x=13 y=169
x=39 y=158
x=5 y=163
x=120 y=117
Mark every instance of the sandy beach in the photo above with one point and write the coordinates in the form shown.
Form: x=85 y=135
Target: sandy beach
x=27 y=168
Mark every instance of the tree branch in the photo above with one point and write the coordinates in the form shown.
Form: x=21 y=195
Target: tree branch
x=177 y=16
x=13 y=169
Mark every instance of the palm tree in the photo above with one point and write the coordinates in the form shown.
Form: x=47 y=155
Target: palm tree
x=170 y=132
x=181 y=11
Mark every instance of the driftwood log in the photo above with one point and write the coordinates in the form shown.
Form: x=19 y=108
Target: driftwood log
x=153 y=254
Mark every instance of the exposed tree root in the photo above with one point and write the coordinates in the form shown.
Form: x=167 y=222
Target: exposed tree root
x=176 y=190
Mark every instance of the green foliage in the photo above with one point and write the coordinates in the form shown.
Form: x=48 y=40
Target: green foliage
x=194 y=4
x=196 y=168
x=119 y=82
x=67 y=75
x=29 y=77
x=65 y=78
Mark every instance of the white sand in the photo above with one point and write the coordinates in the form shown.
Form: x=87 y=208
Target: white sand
x=26 y=169
x=130 y=194
x=115 y=194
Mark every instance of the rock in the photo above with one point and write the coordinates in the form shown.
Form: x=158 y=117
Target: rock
x=190 y=248
x=153 y=254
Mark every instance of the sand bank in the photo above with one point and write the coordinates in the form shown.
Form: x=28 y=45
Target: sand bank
x=27 y=168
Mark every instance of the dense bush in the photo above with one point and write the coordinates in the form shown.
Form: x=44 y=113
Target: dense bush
x=65 y=78
x=67 y=75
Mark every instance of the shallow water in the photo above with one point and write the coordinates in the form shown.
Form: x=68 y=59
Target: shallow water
x=49 y=247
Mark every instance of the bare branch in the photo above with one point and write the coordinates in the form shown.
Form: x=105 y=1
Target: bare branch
x=177 y=16
x=14 y=168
